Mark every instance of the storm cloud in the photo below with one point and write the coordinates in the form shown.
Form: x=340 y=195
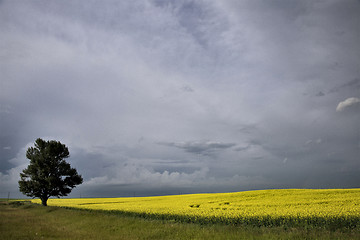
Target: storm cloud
x=200 y=147
x=166 y=97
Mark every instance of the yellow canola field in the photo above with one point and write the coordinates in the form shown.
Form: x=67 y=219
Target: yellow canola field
x=236 y=207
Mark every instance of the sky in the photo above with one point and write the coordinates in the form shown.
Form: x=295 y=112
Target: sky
x=156 y=97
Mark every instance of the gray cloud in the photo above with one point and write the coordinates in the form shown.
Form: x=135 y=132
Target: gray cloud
x=114 y=79
x=199 y=147
x=320 y=94
x=187 y=89
x=355 y=84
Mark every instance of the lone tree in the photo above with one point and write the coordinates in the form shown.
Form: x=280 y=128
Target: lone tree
x=48 y=174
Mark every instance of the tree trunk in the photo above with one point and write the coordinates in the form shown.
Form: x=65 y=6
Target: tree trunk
x=44 y=201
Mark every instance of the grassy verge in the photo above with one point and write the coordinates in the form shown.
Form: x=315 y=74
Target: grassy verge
x=31 y=221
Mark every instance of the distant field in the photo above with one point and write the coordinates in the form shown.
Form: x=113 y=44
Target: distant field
x=328 y=208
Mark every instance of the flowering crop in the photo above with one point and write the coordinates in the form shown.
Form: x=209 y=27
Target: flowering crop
x=334 y=208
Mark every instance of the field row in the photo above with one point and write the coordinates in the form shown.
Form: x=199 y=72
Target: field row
x=332 y=208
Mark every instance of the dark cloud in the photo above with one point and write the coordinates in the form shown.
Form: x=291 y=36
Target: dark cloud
x=187 y=89
x=199 y=147
x=248 y=128
x=242 y=148
x=126 y=84
x=320 y=94
x=354 y=84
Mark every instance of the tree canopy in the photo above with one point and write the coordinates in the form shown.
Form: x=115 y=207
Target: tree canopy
x=48 y=174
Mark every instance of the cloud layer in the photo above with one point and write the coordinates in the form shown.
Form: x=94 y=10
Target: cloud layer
x=163 y=97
